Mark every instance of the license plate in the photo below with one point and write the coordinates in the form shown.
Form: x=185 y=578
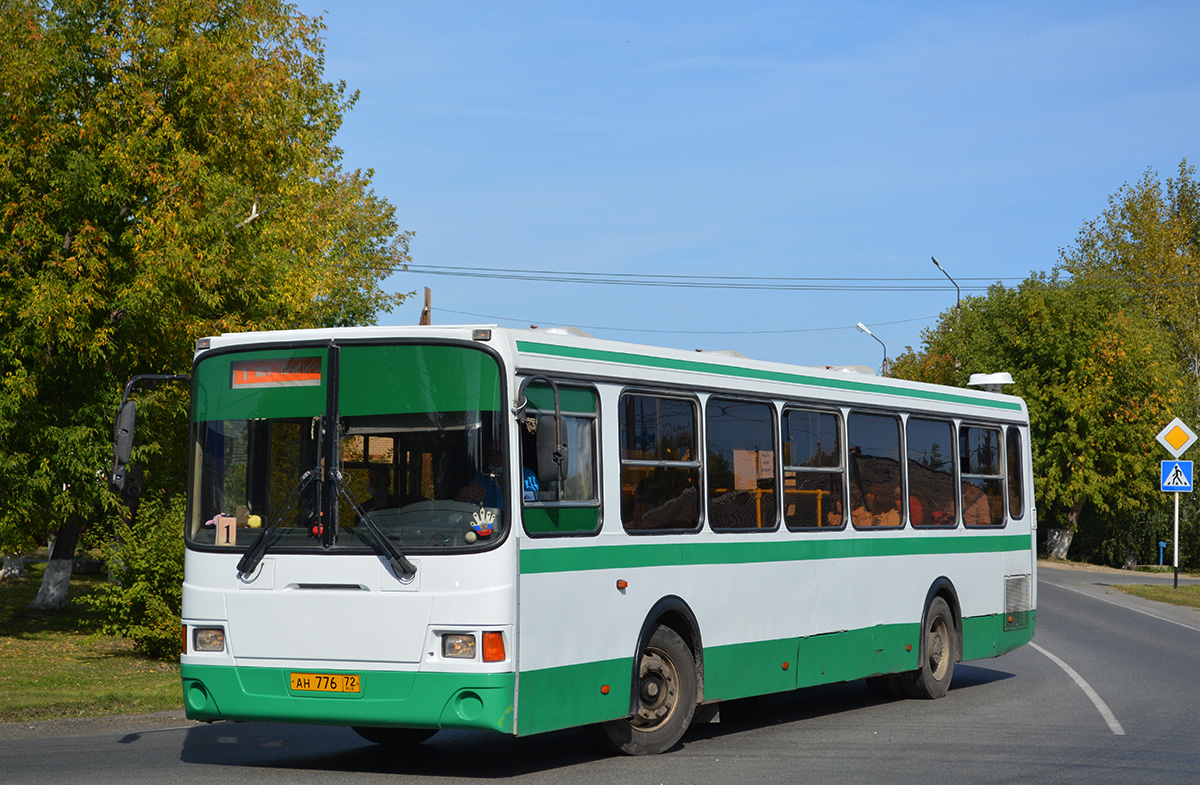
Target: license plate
x=326 y=682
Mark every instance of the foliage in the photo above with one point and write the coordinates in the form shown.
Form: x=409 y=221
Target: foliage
x=1098 y=379
x=141 y=601
x=167 y=171
x=1114 y=539
x=1147 y=243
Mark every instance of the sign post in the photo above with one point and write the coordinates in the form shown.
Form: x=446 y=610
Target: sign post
x=1176 y=476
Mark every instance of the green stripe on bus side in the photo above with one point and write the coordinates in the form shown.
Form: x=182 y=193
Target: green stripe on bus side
x=650 y=554
x=647 y=361
x=554 y=698
x=481 y=701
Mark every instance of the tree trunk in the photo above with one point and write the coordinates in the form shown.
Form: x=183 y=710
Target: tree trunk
x=1058 y=541
x=52 y=595
x=14 y=567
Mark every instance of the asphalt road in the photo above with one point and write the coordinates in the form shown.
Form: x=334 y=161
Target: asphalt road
x=1108 y=693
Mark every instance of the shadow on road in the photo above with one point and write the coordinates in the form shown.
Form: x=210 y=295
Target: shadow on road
x=481 y=755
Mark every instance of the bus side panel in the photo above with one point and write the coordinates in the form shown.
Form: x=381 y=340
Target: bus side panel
x=570 y=695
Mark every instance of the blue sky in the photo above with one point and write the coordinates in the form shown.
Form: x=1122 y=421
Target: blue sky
x=756 y=140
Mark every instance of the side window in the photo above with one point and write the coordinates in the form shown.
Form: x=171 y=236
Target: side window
x=874 y=442
x=741 y=465
x=571 y=506
x=660 y=469
x=814 y=479
x=1016 y=473
x=982 y=481
x=931 y=495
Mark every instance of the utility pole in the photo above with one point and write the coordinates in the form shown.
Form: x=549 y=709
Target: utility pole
x=426 y=313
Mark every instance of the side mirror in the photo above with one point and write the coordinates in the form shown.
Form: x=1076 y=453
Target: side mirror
x=551 y=456
x=122 y=445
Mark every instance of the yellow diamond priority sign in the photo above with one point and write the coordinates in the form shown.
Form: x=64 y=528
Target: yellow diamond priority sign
x=1176 y=437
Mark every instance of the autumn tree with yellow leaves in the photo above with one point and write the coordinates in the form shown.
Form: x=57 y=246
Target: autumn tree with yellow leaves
x=1105 y=351
x=167 y=171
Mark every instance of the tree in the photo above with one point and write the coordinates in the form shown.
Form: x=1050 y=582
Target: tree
x=1097 y=376
x=167 y=171
x=1147 y=242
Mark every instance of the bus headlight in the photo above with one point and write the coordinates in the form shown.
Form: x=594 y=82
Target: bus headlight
x=460 y=646
x=208 y=639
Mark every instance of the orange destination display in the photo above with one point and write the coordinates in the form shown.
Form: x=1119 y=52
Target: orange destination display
x=281 y=372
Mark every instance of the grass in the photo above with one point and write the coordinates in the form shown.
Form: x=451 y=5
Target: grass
x=55 y=665
x=1187 y=596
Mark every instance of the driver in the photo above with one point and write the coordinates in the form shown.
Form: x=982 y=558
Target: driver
x=487 y=488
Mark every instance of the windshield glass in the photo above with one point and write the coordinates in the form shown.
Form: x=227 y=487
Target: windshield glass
x=415 y=444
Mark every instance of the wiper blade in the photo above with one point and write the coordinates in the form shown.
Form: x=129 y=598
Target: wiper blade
x=383 y=546
x=254 y=553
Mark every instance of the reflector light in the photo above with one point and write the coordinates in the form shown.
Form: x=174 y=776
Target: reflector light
x=604 y=689
x=493 y=647
x=785 y=666
x=459 y=646
x=183 y=637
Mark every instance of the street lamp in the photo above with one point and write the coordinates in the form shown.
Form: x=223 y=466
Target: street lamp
x=862 y=328
x=958 y=292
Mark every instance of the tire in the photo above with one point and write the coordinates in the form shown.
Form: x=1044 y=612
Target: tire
x=939 y=648
x=395 y=737
x=666 y=689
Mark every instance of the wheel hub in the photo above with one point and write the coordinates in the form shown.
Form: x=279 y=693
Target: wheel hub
x=657 y=691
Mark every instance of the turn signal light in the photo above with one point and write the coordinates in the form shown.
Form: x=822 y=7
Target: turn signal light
x=493 y=647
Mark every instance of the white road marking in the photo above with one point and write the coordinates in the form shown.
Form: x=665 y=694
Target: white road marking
x=1099 y=703
x=1121 y=605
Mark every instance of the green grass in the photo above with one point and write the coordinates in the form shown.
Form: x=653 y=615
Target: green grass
x=56 y=664
x=1187 y=596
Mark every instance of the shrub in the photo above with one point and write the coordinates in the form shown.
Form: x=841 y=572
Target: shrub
x=142 y=598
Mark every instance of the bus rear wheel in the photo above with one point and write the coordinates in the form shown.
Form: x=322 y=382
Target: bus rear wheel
x=666 y=699
x=395 y=737
x=939 y=647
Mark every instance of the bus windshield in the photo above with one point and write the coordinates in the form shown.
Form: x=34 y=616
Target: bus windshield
x=411 y=438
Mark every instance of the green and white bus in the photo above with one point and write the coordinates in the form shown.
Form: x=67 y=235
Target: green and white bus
x=681 y=529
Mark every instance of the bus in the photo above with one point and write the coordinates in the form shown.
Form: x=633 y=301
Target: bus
x=407 y=529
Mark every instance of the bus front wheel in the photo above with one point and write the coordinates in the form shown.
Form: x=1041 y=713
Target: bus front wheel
x=666 y=699
x=939 y=646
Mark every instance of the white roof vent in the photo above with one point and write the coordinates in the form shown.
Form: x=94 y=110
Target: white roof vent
x=990 y=382
x=575 y=331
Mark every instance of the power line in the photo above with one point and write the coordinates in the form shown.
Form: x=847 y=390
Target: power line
x=700 y=281
x=727 y=282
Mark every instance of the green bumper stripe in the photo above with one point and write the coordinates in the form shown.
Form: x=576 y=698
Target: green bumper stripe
x=650 y=554
x=695 y=366
x=416 y=700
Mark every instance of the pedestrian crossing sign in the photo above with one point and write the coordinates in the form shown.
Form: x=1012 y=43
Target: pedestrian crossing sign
x=1176 y=477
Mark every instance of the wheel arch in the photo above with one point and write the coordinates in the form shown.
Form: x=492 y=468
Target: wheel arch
x=672 y=612
x=943 y=587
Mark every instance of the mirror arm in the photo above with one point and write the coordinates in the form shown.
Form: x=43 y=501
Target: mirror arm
x=559 y=455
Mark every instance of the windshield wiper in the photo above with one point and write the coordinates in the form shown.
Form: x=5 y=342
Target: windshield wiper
x=403 y=568
x=255 y=552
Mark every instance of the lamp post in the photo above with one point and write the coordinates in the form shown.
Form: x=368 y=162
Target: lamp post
x=862 y=328
x=957 y=291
